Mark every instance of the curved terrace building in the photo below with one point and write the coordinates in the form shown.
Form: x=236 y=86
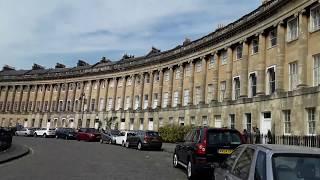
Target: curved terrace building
x=262 y=70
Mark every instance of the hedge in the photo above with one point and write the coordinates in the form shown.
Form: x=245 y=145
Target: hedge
x=173 y=133
x=5 y=138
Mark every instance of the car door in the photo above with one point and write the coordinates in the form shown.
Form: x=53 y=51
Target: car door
x=242 y=168
x=221 y=172
x=186 y=147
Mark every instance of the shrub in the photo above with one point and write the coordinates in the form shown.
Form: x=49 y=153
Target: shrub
x=5 y=138
x=173 y=133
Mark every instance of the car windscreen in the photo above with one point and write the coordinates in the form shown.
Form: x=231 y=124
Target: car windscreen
x=152 y=134
x=52 y=129
x=69 y=130
x=115 y=132
x=92 y=130
x=223 y=137
x=295 y=166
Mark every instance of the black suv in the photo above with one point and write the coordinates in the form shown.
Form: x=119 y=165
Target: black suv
x=203 y=147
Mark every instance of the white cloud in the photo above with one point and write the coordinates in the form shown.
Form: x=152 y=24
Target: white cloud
x=34 y=27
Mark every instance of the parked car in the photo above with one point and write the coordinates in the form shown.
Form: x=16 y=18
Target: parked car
x=109 y=136
x=88 y=134
x=144 y=140
x=122 y=138
x=203 y=147
x=25 y=132
x=276 y=162
x=65 y=133
x=45 y=132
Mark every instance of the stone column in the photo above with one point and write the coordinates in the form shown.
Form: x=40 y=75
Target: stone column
x=170 y=86
x=281 y=41
x=82 y=96
x=303 y=49
x=20 y=98
x=261 y=65
x=74 y=97
x=97 y=95
x=34 y=104
x=5 y=99
x=115 y=83
x=160 y=88
x=44 y=92
x=180 y=86
x=28 y=98
x=191 y=90
x=150 y=90
x=215 y=80
x=204 y=81
x=141 y=89
x=106 y=94
x=133 y=84
x=13 y=97
x=229 y=75
x=58 y=97
x=124 y=82
x=50 y=98
x=244 y=70
x=66 y=96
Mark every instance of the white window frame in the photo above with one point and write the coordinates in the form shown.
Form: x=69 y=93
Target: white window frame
x=178 y=74
x=175 y=99
x=145 y=103
x=198 y=66
x=290 y=35
x=268 y=87
x=210 y=90
x=314 y=21
x=232 y=124
x=165 y=99
x=101 y=104
x=166 y=76
x=273 y=36
x=287 y=121
x=293 y=75
x=198 y=95
x=136 y=102
x=222 y=91
x=128 y=103
x=224 y=57
x=212 y=61
x=316 y=70
x=236 y=92
x=250 y=85
x=311 y=121
x=255 y=46
x=239 y=52
x=110 y=102
x=188 y=70
x=155 y=100
x=186 y=95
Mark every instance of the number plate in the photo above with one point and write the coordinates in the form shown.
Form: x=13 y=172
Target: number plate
x=225 y=151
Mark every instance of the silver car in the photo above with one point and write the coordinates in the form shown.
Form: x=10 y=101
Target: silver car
x=25 y=132
x=270 y=162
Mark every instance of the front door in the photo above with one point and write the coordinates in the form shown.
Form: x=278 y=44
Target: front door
x=265 y=123
x=150 y=124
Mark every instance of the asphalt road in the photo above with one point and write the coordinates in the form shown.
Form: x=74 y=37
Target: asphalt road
x=56 y=159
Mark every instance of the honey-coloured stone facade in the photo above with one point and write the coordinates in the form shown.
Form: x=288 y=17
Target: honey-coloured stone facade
x=262 y=70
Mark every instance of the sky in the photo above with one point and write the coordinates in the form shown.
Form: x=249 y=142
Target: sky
x=64 y=31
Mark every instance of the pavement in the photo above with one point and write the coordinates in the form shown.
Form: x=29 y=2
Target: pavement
x=58 y=159
x=14 y=152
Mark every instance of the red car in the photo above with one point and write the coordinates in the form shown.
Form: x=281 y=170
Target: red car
x=88 y=134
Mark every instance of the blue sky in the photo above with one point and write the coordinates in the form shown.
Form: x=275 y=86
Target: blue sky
x=47 y=32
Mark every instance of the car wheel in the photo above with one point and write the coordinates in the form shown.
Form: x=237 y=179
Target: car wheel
x=139 y=146
x=45 y=135
x=25 y=134
x=110 y=141
x=127 y=144
x=57 y=137
x=66 y=138
x=16 y=134
x=35 y=135
x=122 y=144
x=190 y=171
x=175 y=161
x=101 y=141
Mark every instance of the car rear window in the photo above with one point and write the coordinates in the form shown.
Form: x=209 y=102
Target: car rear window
x=223 y=137
x=296 y=166
x=115 y=132
x=152 y=134
x=52 y=129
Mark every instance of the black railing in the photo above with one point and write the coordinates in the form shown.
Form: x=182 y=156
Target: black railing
x=5 y=138
x=308 y=141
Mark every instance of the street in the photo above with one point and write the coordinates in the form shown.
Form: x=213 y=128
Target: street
x=56 y=159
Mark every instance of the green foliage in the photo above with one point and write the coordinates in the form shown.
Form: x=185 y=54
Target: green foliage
x=173 y=133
